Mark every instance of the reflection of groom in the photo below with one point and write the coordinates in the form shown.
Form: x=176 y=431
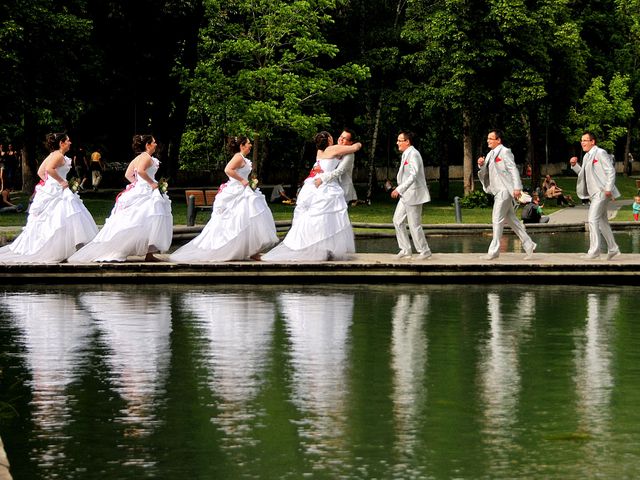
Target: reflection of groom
x=344 y=171
x=412 y=192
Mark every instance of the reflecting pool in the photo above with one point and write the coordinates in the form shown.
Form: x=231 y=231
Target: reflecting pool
x=324 y=381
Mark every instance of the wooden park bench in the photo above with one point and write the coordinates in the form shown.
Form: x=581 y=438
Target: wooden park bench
x=197 y=200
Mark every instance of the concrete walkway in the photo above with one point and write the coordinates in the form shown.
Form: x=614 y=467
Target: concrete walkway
x=578 y=214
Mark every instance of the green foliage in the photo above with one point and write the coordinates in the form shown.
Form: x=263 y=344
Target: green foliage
x=264 y=66
x=603 y=111
x=475 y=199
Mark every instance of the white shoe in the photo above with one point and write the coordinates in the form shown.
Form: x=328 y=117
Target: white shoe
x=613 y=253
x=403 y=254
x=425 y=255
x=590 y=256
x=529 y=251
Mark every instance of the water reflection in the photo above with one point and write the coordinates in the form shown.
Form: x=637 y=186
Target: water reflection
x=55 y=333
x=338 y=382
x=238 y=329
x=135 y=329
x=594 y=379
x=409 y=365
x=500 y=376
x=318 y=329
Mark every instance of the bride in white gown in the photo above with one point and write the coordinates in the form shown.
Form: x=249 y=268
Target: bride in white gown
x=140 y=222
x=58 y=222
x=321 y=229
x=241 y=224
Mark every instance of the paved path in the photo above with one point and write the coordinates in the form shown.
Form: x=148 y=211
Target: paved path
x=578 y=213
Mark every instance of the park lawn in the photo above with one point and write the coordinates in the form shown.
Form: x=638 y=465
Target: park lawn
x=380 y=211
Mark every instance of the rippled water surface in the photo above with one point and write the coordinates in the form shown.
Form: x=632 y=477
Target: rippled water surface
x=406 y=381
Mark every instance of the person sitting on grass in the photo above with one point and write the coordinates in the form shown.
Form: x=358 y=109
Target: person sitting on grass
x=532 y=211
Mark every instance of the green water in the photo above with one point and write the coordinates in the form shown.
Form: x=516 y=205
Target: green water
x=393 y=382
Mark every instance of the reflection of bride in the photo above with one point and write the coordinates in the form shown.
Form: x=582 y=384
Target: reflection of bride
x=318 y=329
x=56 y=334
x=136 y=329
x=321 y=229
x=409 y=362
x=239 y=329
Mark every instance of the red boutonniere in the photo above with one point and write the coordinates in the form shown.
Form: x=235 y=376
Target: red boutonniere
x=595 y=160
x=406 y=162
x=498 y=159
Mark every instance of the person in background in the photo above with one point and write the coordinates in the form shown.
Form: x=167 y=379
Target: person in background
x=597 y=183
x=80 y=166
x=6 y=205
x=636 y=207
x=532 y=211
x=279 y=195
x=96 y=166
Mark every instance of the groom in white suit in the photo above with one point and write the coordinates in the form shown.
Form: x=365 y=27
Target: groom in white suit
x=413 y=193
x=500 y=177
x=597 y=182
x=344 y=171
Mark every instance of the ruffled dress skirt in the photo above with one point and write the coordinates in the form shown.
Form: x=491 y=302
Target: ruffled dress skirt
x=321 y=229
x=140 y=222
x=57 y=225
x=241 y=225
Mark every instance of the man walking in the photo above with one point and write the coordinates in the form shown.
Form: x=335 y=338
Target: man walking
x=597 y=183
x=500 y=177
x=412 y=192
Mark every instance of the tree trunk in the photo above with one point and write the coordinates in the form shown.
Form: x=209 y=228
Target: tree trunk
x=627 y=149
x=444 y=173
x=372 y=152
x=467 y=169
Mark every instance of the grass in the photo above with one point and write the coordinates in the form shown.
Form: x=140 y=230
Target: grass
x=381 y=210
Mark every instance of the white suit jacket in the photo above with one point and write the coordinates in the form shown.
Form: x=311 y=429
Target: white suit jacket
x=598 y=172
x=412 y=183
x=343 y=173
x=499 y=172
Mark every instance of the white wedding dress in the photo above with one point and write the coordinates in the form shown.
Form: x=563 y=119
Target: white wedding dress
x=321 y=229
x=140 y=222
x=241 y=225
x=58 y=224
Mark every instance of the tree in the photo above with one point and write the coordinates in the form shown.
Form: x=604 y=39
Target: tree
x=605 y=112
x=264 y=66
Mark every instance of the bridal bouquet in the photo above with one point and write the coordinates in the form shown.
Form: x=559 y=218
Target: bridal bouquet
x=74 y=184
x=253 y=183
x=163 y=185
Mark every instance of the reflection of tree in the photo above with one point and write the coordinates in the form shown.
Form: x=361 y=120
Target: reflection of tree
x=594 y=380
x=136 y=328
x=500 y=373
x=55 y=333
x=409 y=358
x=239 y=329
x=318 y=328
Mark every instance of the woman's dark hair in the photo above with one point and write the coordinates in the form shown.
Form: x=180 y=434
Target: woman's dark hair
x=140 y=142
x=234 y=143
x=53 y=140
x=322 y=140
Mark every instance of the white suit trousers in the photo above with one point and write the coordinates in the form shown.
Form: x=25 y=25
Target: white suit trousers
x=411 y=214
x=503 y=212
x=599 y=224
